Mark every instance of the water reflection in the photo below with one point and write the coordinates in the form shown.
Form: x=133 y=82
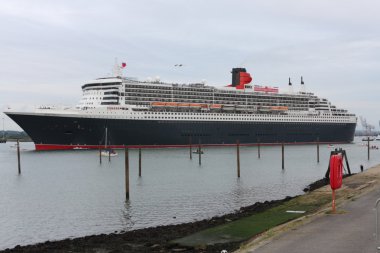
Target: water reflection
x=238 y=192
x=126 y=217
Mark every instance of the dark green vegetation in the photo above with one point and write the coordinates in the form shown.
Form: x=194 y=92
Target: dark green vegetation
x=14 y=135
x=245 y=228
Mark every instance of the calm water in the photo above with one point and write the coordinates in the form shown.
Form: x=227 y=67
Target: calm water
x=65 y=194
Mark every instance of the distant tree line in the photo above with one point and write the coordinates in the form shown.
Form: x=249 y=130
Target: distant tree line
x=13 y=135
x=366 y=133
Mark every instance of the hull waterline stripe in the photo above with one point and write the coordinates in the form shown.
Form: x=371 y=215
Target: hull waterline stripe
x=44 y=147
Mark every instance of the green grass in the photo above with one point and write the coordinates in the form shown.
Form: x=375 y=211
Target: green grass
x=245 y=228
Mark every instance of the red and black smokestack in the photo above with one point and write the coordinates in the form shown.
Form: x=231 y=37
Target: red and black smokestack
x=240 y=77
x=236 y=76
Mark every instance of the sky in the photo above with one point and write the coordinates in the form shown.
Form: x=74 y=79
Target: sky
x=48 y=49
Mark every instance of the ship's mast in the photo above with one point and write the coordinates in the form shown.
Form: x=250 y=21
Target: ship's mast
x=116 y=69
x=303 y=89
x=290 y=87
x=105 y=142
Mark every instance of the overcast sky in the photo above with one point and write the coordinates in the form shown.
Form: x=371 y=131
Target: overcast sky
x=48 y=49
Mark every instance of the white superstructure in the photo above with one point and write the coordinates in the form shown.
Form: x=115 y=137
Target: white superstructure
x=129 y=98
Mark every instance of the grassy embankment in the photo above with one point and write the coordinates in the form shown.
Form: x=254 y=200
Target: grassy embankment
x=265 y=223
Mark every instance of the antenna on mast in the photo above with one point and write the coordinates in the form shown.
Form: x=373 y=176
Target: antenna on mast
x=303 y=89
x=118 y=68
x=290 y=87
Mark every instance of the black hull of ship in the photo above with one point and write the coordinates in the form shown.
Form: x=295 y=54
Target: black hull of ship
x=57 y=132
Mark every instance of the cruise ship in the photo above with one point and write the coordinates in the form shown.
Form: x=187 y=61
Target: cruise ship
x=125 y=112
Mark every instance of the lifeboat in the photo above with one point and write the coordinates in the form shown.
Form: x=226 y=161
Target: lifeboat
x=195 y=105
x=215 y=106
x=279 y=108
x=157 y=104
x=171 y=104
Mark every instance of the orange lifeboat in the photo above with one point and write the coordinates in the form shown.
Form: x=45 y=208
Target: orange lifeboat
x=215 y=106
x=171 y=104
x=279 y=108
x=195 y=105
x=158 y=104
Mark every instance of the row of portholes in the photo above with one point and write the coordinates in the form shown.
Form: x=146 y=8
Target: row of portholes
x=218 y=119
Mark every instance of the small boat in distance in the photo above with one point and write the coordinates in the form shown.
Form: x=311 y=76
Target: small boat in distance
x=330 y=146
x=198 y=151
x=378 y=137
x=107 y=151
x=79 y=148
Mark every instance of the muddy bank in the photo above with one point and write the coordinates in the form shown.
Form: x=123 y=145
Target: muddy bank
x=321 y=182
x=156 y=239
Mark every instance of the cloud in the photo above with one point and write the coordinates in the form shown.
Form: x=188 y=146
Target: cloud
x=55 y=46
x=43 y=12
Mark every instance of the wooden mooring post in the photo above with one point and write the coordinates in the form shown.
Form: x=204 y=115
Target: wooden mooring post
x=199 y=153
x=238 y=157
x=368 y=140
x=318 y=150
x=109 y=155
x=283 y=155
x=190 y=149
x=258 y=149
x=100 y=155
x=18 y=157
x=126 y=174
x=139 y=161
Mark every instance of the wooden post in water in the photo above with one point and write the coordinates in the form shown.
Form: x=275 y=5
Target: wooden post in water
x=139 y=161
x=238 y=157
x=100 y=155
x=283 y=154
x=258 y=149
x=368 y=146
x=199 y=153
x=18 y=157
x=126 y=174
x=190 y=149
x=317 y=149
x=109 y=155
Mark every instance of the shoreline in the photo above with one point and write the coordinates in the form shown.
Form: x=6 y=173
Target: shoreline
x=136 y=240
x=167 y=238
x=353 y=188
x=158 y=237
